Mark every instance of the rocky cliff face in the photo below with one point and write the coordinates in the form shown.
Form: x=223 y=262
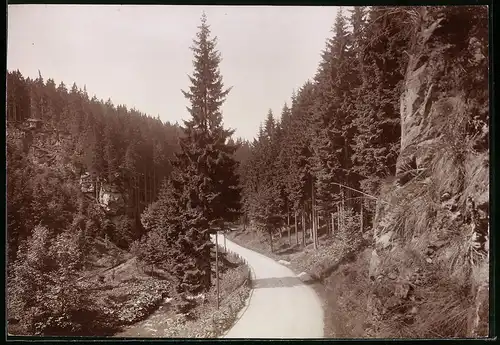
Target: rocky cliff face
x=429 y=266
x=48 y=148
x=108 y=195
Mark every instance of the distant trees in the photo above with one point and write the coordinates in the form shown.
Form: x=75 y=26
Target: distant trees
x=265 y=203
x=119 y=148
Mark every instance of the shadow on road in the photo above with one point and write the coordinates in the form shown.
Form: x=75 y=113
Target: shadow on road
x=266 y=283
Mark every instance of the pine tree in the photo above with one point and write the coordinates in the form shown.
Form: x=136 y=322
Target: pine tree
x=330 y=119
x=206 y=180
x=283 y=163
x=266 y=201
x=300 y=175
x=376 y=145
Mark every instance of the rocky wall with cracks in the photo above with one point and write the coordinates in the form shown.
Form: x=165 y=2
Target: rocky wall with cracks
x=429 y=265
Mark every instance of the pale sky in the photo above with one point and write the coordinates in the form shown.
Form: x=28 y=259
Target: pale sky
x=139 y=55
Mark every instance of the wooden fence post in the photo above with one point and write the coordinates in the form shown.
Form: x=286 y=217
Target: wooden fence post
x=217 y=266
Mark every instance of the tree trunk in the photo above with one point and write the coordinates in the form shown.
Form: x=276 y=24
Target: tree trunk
x=303 y=226
x=314 y=218
x=361 y=217
x=342 y=209
x=327 y=224
x=318 y=226
x=154 y=183
x=137 y=200
x=296 y=228
x=310 y=226
x=271 y=240
x=151 y=187
x=288 y=225
x=332 y=226
x=146 y=187
x=339 y=227
x=96 y=195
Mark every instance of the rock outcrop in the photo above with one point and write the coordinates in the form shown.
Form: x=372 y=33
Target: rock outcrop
x=111 y=198
x=429 y=265
x=108 y=195
x=87 y=184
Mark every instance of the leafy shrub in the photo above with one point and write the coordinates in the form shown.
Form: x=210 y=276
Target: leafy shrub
x=45 y=294
x=121 y=232
x=151 y=248
x=349 y=233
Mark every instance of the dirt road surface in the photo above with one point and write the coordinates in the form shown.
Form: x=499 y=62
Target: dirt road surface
x=280 y=305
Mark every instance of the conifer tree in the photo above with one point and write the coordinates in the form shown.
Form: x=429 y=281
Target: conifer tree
x=376 y=145
x=206 y=180
x=330 y=117
x=263 y=185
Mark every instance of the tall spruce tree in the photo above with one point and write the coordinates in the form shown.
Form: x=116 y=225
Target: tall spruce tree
x=205 y=178
x=329 y=140
x=377 y=118
x=268 y=204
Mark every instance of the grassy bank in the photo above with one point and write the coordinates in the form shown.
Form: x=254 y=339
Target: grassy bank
x=207 y=321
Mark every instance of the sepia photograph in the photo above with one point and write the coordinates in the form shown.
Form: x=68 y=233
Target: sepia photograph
x=271 y=172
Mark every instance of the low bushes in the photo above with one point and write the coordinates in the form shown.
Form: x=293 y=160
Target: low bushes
x=346 y=299
x=50 y=293
x=211 y=322
x=205 y=320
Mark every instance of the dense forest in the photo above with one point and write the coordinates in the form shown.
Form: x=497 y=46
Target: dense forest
x=114 y=145
x=374 y=177
x=80 y=169
x=326 y=156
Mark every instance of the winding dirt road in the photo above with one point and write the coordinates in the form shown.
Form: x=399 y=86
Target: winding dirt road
x=280 y=305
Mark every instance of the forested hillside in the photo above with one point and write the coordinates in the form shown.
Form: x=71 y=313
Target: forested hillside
x=88 y=190
x=119 y=157
x=385 y=149
x=373 y=178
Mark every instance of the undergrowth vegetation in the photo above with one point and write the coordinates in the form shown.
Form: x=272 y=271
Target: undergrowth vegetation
x=204 y=319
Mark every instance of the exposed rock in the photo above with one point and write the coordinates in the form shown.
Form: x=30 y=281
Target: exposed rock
x=303 y=276
x=86 y=183
x=402 y=290
x=384 y=240
x=432 y=166
x=110 y=198
x=445 y=196
x=374 y=263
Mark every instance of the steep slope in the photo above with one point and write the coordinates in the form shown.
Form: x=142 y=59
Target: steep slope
x=429 y=266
